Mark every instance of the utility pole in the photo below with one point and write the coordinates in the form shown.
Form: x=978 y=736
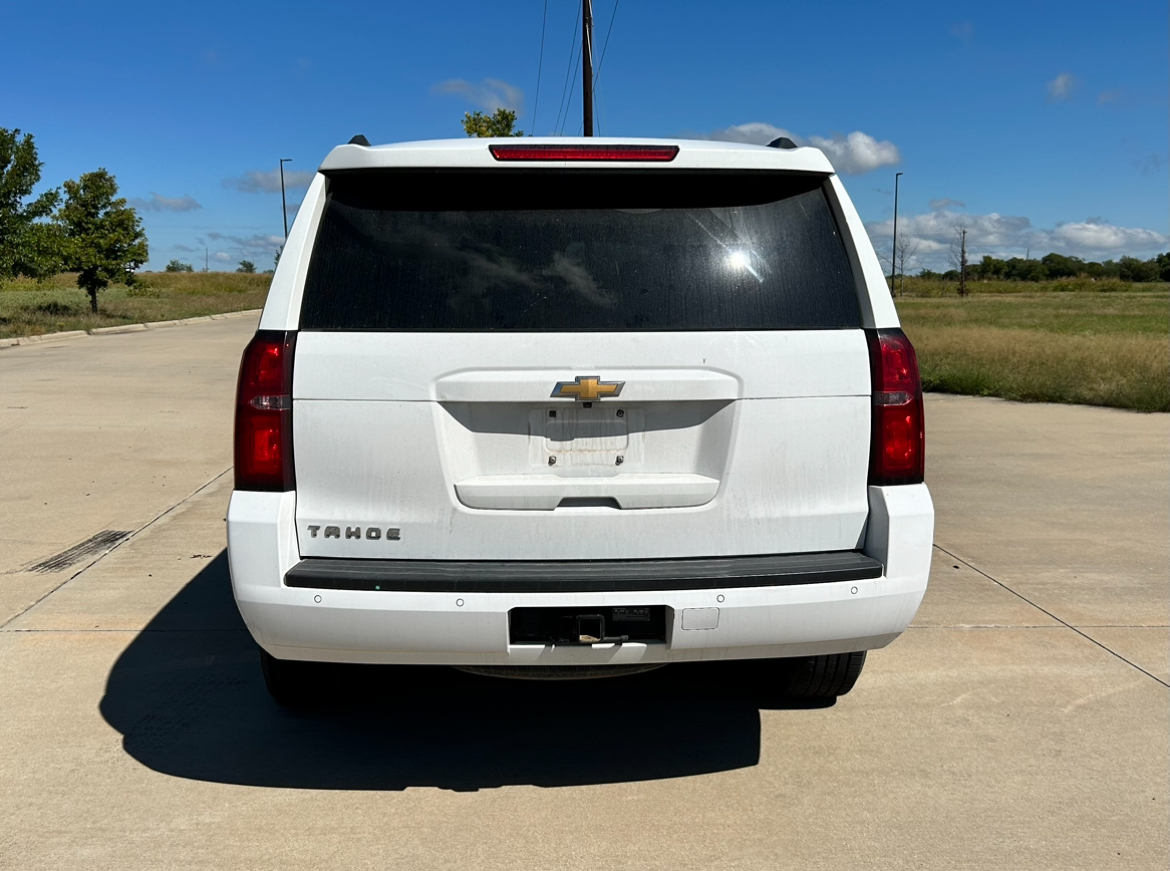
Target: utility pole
x=283 y=204
x=587 y=65
x=894 y=250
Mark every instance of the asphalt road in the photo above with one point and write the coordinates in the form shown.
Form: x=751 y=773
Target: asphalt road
x=1022 y=722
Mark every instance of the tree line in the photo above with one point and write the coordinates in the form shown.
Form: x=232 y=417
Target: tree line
x=1052 y=266
x=89 y=230
x=245 y=266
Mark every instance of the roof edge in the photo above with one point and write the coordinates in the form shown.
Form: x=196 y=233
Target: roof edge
x=473 y=153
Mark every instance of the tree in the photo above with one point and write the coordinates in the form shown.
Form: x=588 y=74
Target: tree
x=1162 y=261
x=179 y=266
x=958 y=257
x=904 y=254
x=246 y=266
x=905 y=249
x=500 y=123
x=1132 y=269
x=1060 y=266
x=104 y=240
x=28 y=245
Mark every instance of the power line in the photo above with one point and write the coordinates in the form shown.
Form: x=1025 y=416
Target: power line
x=568 y=72
x=600 y=109
x=539 y=66
x=572 y=87
x=605 y=44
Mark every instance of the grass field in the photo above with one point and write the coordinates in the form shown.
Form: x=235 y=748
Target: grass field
x=914 y=286
x=1045 y=343
x=29 y=309
x=1097 y=343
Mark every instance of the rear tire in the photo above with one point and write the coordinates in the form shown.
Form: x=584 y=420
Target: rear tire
x=291 y=683
x=820 y=677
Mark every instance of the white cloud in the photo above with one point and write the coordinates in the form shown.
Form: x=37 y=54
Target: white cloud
x=1095 y=235
x=858 y=152
x=256 y=181
x=489 y=95
x=1062 y=87
x=222 y=257
x=753 y=133
x=946 y=203
x=1013 y=236
x=159 y=203
x=854 y=154
x=964 y=30
x=256 y=244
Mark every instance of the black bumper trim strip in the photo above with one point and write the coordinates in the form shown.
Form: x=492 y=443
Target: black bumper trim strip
x=581 y=576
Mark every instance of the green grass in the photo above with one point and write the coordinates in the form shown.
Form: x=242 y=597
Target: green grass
x=1075 y=314
x=29 y=308
x=1046 y=344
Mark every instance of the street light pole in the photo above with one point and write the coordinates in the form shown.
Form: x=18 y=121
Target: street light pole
x=587 y=65
x=894 y=252
x=284 y=208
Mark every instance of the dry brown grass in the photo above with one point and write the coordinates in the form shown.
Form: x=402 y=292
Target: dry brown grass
x=1046 y=346
x=1122 y=371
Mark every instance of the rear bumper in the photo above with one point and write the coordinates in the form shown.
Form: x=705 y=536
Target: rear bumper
x=436 y=613
x=580 y=576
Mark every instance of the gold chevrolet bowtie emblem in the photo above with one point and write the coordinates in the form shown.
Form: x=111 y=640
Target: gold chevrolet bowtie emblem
x=588 y=388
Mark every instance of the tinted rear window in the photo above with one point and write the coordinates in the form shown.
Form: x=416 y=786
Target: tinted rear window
x=586 y=250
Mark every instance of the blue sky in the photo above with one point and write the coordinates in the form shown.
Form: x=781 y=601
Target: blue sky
x=1037 y=125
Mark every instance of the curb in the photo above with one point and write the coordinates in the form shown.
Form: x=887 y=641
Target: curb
x=26 y=340
x=123 y=328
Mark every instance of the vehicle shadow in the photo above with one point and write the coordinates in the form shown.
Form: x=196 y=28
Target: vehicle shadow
x=188 y=697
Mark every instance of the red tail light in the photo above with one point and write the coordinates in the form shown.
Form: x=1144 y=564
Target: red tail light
x=897 y=454
x=264 y=456
x=660 y=153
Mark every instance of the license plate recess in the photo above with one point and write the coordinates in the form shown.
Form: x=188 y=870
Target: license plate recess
x=642 y=623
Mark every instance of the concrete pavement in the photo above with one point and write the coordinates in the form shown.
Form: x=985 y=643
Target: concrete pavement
x=105 y=434
x=1021 y=723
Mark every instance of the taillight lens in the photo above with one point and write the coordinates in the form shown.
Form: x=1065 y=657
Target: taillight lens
x=653 y=153
x=898 y=440
x=263 y=449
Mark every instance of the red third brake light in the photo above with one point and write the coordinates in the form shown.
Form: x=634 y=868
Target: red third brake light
x=898 y=438
x=660 y=153
x=263 y=444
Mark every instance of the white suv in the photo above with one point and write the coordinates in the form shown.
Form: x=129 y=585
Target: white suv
x=574 y=407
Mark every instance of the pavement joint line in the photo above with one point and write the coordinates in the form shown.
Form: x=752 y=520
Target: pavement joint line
x=17 y=631
x=133 y=535
x=997 y=626
x=1054 y=617
x=1041 y=626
